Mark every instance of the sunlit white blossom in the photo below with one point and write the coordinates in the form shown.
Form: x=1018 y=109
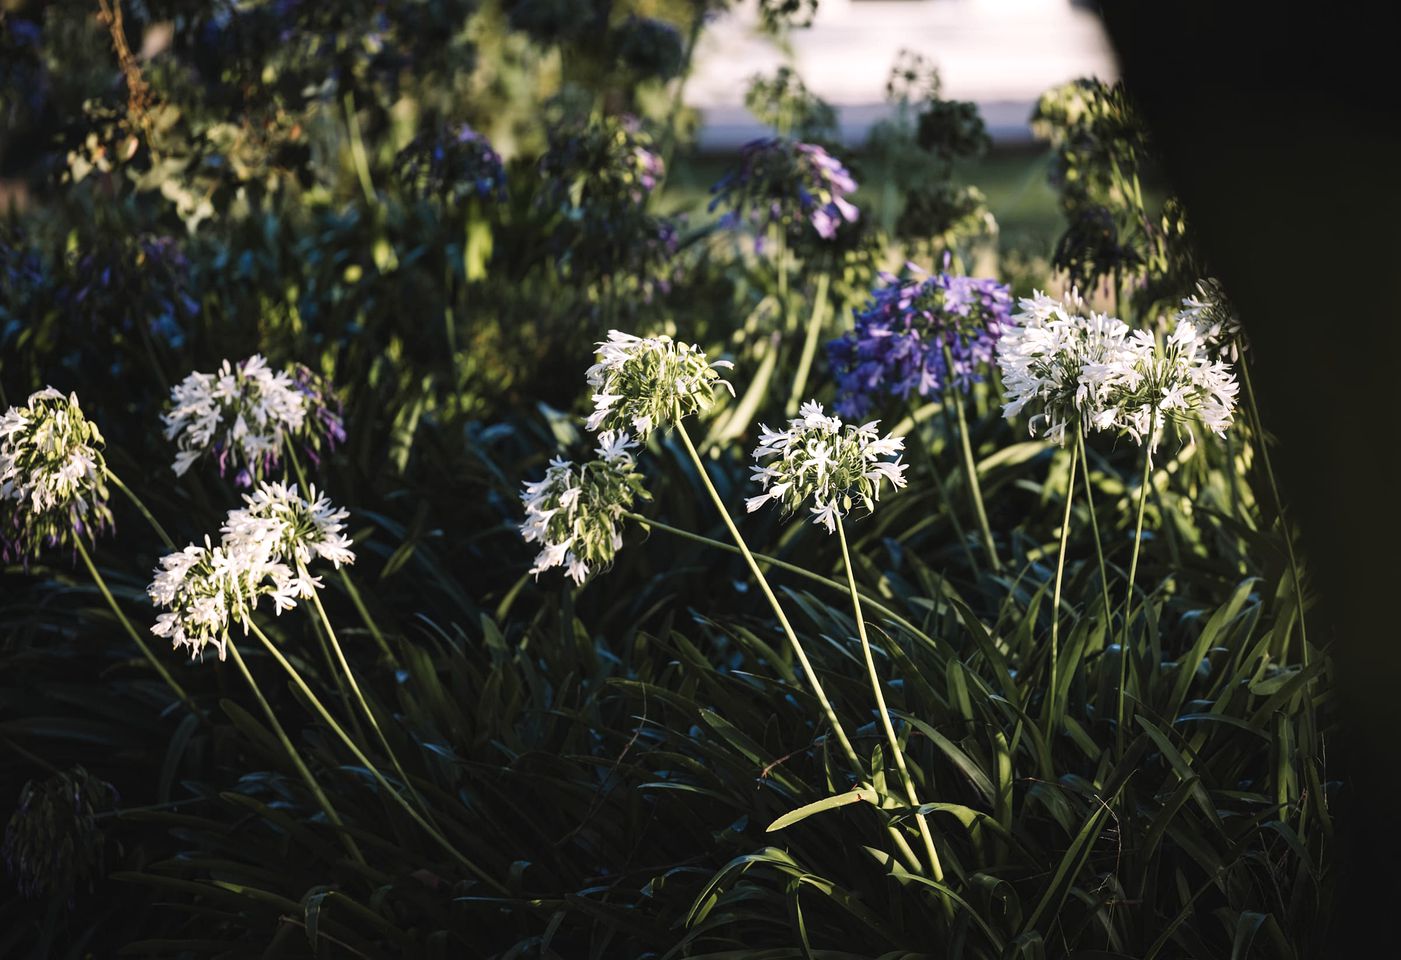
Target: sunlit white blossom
x=243 y=415
x=826 y=464
x=1067 y=365
x=1215 y=319
x=575 y=512
x=641 y=384
x=292 y=529
x=52 y=475
x=1178 y=380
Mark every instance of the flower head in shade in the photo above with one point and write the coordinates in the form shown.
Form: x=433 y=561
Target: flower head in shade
x=910 y=330
x=1067 y=365
x=277 y=521
x=52 y=475
x=452 y=164
x=1178 y=380
x=600 y=171
x=821 y=461
x=575 y=511
x=52 y=842
x=1214 y=317
x=787 y=182
x=644 y=383
x=243 y=414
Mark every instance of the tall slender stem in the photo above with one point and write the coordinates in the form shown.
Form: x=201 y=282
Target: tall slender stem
x=324 y=801
x=944 y=495
x=1055 y=599
x=354 y=748
x=359 y=696
x=1094 y=527
x=132 y=631
x=785 y=566
x=346 y=582
x=896 y=752
x=970 y=468
x=763 y=582
x=814 y=333
x=1128 y=597
x=141 y=507
x=1259 y=426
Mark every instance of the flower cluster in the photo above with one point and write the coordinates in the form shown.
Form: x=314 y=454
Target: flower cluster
x=785 y=182
x=1067 y=364
x=1071 y=365
x=245 y=413
x=1178 y=381
x=822 y=460
x=1214 y=316
x=644 y=383
x=264 y=552
x=52 y=475
x=575 y=511
x=452 y=165
x=602 y=170
x=52 y=841
x=911 y=331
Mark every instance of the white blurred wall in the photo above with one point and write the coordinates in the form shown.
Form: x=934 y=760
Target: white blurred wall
x=999 y=53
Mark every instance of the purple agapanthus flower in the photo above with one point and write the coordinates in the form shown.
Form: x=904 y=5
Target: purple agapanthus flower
x=452 y=164
x=784 y=182
x=909 y=332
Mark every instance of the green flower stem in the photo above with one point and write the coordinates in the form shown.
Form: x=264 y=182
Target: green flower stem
x=1259 y=430
x=814 y=333
x=360 y=697
x=132 y=631
x=971 y=469
x=357 y=151
x=837 y=728
x=346 y=582
x=339 y=731
x=943 y=494
x=155 y=524
x=1128 y=597
x=937 y=870
x=1055 y=600
x=785 y=566
x=1094 y=526
x=324 y=801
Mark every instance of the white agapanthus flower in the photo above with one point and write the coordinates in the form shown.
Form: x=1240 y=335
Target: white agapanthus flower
x=264 y=552
x=292 y=529
x=1212 y=313
x=1178 y=380
x=575 y=512
x=52 y=475
x=241 y=415
x=207 y=589
x=644 y=383
x=821 y=461
x=1067 y=365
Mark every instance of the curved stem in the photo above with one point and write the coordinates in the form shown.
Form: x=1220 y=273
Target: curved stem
x=1128 y=597
x=339 y=731
x=814 y=333
x=132 y=631
x=896 y=752
x=136 y=501
x=346 y=582
x=971 y=469
x=1279 y=507
x=359 y=696
x=292 y=754
x=1094 y=527
x=773 y=601
x=1055 y=600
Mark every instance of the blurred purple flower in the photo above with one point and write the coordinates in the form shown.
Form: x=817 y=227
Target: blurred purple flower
x=784 y=181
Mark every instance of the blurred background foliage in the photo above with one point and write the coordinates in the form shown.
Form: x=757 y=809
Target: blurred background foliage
x=182 y=183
